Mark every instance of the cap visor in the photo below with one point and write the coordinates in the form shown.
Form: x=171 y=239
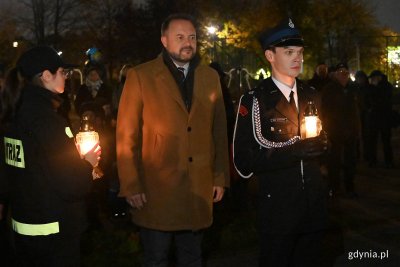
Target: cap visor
x=290 y=42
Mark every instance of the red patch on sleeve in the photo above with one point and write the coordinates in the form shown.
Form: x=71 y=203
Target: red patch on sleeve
x=243 y=110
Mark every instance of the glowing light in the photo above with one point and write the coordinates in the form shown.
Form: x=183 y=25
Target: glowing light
x=394 y=54
x=311 y=126
x=86 y=141
x=211 y=29
x=261 y=73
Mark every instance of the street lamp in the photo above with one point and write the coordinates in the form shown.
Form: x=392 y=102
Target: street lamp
x=212 y=31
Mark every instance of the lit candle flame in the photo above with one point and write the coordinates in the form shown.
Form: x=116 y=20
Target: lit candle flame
x=86 y=141
x=311 y=126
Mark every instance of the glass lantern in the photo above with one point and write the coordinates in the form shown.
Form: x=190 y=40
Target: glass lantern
x=311 y=125
x=87 y=137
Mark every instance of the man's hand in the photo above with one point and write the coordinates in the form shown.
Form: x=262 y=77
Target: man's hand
x=137 y=201
x=218 y=193
x=311 y=147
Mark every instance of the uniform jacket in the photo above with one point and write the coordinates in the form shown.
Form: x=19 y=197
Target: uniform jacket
x=51 y=180
x=173 y=156
x=265 y=131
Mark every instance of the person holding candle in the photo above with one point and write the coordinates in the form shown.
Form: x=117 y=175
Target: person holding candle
x=47 y=177
x=267 y=144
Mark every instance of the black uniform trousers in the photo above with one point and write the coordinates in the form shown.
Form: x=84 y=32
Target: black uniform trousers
x=47 y=251
x=291 y=250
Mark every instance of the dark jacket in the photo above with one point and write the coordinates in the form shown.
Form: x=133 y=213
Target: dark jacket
x=47 y=178
x=84 y=96
x=340 y=111
x=264 y=146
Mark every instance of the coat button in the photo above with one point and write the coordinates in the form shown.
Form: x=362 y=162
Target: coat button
x=189 y=129
x=190 y=159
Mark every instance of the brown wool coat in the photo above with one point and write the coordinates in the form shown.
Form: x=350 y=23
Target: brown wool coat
x=172 y=156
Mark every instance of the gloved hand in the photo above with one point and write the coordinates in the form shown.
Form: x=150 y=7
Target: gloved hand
x=311 y=147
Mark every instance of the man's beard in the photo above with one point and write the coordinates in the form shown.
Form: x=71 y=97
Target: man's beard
x=178 y=58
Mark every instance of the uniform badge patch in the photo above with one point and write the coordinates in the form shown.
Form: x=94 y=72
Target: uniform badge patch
x=243 y=110
x=14 y=152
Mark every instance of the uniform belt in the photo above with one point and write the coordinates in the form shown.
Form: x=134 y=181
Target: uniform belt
x=35 y=229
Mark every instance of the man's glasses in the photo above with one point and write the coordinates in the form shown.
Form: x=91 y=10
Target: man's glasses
x=67 y=73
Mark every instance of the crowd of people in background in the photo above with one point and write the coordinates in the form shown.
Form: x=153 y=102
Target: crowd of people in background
x=356 y=114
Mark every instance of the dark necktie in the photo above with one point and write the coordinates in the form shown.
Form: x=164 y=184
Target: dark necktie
x=292 y=102
x=181 y=72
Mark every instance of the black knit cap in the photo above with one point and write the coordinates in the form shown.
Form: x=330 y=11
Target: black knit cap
x=342 y=65
x=375 y=73
x=39 y=59
x=283 y=34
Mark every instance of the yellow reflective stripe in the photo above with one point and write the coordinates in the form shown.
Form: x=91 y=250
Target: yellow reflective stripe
x=68 y=132
x=35 y=229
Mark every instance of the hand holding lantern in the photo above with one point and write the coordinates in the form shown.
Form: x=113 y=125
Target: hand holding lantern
x=88 y=143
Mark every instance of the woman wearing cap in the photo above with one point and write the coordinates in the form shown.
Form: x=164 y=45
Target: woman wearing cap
x=48 y=179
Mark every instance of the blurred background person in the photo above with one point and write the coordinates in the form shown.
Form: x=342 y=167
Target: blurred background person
x=92 y=89
x=320 y=77
x=364 y=91
x=341 y=121
x=380 y=118
x=118 y=204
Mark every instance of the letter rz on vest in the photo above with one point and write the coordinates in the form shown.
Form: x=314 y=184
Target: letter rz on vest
x=14 y=152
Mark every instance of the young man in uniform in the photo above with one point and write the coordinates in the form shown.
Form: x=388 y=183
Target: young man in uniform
x=267 y=144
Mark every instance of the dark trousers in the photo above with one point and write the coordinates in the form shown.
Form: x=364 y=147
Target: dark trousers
x=156 y=246
x=342 y=157
x=6 y=253
x=47 y=251
x=385 y=133
x=302 y=250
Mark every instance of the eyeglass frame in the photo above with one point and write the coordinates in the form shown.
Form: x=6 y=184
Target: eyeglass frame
x=67 y=73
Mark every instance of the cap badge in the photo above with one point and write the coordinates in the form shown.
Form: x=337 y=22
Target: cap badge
x=291 y=25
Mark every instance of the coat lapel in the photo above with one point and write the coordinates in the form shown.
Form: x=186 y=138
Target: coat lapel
x=283 y=106
x=164 y=77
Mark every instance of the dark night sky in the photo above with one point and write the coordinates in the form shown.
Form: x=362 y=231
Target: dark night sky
x=387 y=12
